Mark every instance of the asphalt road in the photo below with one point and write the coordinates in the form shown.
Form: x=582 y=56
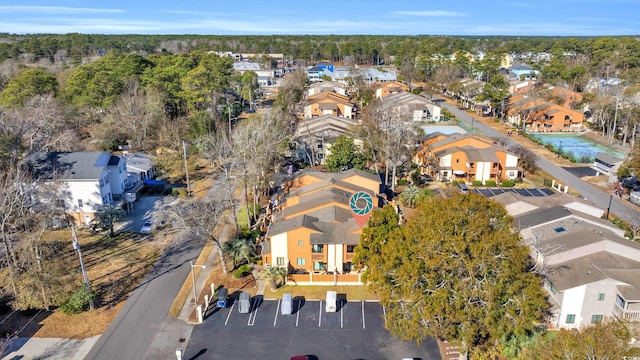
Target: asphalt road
x=620 y=208
x=355 y=331
x=132 y=332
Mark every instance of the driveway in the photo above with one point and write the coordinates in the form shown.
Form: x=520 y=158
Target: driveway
x=355 y=331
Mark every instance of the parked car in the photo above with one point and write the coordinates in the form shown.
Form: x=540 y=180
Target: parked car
x=463 y=188
x=300 y=357
x=146 y=227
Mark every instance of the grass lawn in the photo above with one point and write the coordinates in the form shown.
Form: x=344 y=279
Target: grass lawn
x=114 y=267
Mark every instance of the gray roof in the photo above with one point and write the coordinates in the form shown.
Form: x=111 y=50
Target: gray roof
x=320 y=124
x=339 y=175
x=324 y=183
x=595 y=267
x=318 y=199
x=608 y=158
x=282 y=226
x=71 y=165
x=540 y=216
x=140 y=161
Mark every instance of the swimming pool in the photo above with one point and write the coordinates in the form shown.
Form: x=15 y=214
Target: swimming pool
x=583 y=150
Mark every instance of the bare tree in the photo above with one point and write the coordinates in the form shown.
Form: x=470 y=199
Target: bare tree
x=136 y=112
x=216 y=148
x=257 y=143
x=202 y=219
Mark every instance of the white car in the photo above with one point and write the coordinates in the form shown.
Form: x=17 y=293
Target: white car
x=146 y=228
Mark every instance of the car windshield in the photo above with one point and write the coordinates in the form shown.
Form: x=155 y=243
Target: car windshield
x=147 y=223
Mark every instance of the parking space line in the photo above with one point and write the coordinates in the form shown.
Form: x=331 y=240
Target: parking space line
x=229 y=314
x=384 y=312
x=253 y=313
x=277 y=310
x=363 y=316
x=320 y=317
x=342 y=304
x=298 y=312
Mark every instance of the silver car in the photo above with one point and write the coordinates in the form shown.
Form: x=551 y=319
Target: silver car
x=146 y=228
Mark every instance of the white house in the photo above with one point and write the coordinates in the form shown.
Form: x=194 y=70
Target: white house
x=590 y=271
x=86 y=180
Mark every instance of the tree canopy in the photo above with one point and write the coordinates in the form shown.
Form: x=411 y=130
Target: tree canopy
x=345 y=155
x=26 y=85
x=456 y=271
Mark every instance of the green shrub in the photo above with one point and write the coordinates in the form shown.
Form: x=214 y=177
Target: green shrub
x=403 y=182
x=476 y=183
x=77 y=303
x=508 y=183
x=241 y=272
x=454 y=182
x=490 y=183
x=573 y=160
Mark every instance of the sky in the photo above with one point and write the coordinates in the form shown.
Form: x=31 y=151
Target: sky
x=340 y=17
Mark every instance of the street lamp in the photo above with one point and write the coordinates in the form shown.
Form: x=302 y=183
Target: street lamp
x=193 y=277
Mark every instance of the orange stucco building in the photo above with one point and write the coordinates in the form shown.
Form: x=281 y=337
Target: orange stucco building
x=315 y=232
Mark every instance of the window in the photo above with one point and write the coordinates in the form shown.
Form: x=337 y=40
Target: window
x=457 y=161
x=553 y=289
x=601 y=297
x=317 y=248
x=301 y=261
x=300 y=243
x=80 y=203
x=571 y=318
x=319 y=265
x=347 y=267
x=350 y=248
x=620 y=301
x=596 y=319
x=60 y=203
x=279 y=261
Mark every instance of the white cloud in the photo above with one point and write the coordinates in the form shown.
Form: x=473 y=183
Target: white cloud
x=429 y=13
x=54 y=9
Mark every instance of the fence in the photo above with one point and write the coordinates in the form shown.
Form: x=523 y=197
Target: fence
x=324 y=279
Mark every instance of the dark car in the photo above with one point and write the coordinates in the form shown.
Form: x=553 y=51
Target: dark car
x=300 y=357
x=629 y=181
x=425 y=178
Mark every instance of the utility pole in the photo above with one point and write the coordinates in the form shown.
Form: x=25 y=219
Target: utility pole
x=229 y=121
x=76 y=247
x=186 y=168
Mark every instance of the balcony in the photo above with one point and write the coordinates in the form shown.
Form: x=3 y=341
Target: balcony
x=317 y=257
x=628 y=315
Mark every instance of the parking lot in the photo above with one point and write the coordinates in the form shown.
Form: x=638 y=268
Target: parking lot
x=355 y=331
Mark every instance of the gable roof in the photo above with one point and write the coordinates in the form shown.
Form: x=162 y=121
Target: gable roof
x=71 y=165
x=324 y=123
x=596 y=267
x=328 y=96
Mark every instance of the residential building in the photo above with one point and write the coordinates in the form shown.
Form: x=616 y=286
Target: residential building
x=315 y=136
x=314 y=235
x=523 y=72
x=315 y=73
x=412 y=107
x=465 y=158
x=591 y=272
x=322 y=86
x=607 y=164
x=539 y=115
x=329 y=103
x=384 y=89
x=84 y=181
